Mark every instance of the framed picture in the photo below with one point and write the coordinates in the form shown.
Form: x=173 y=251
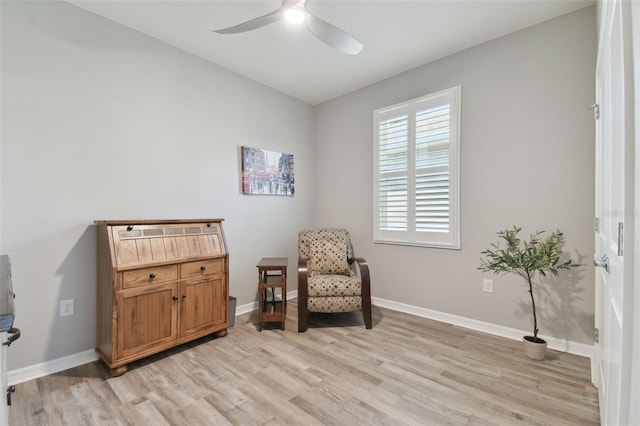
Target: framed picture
x=267 y=172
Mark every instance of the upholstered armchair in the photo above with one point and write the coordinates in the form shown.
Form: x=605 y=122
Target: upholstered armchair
x=327 y=277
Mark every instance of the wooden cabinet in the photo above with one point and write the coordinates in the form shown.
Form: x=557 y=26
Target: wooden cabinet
x=161 y=283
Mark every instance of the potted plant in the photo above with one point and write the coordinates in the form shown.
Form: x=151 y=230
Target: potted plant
x=539 y=255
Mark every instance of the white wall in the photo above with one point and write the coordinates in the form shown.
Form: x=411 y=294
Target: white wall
x=527 y=158
x=102 y=122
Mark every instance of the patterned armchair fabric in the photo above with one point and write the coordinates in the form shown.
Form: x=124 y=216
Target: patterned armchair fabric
x=327 y=278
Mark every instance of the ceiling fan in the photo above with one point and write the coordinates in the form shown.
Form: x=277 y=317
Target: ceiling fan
x=296 y=11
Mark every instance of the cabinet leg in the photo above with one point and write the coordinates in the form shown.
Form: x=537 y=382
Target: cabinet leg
x=222 y=333
x=118 y=371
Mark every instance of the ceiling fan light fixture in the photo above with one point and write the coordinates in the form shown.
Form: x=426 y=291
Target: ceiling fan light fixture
x=294 y=11
x=294 y=15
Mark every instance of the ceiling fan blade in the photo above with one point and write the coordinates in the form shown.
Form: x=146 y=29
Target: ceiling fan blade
x=253 y=24
x=332 y=36
x=260 y=21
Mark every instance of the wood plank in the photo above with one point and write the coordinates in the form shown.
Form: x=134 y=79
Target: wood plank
x=141 y=324
x=155 y=312
x=194 y=246
x=127 y=252
x=215 y=243
x=405 y=371
x=158 y=252
x=128 y=336
x=205 y=245
x=183 y=247
x=143 y=246
x=170 y=247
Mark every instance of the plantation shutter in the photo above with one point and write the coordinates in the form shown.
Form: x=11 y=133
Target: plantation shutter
x=432 y=170
x=416 y=171
x=393 y=167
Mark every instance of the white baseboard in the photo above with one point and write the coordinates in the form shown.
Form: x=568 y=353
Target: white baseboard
x=250 y=307
x=60 y=364
x=485 y=327
x=50 y=367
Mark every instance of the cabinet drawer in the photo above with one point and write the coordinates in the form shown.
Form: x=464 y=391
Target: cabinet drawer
x=202 y=268
x=139 y=277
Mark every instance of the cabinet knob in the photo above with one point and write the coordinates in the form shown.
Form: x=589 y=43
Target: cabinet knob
x=202 y=268
x=129 y=227
x=184 y=296
x=152 y=276
x=175 y=298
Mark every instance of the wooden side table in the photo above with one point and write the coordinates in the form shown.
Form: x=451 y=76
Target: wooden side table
x=272 y=275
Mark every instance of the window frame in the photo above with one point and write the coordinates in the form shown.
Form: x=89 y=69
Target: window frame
x=451 y=238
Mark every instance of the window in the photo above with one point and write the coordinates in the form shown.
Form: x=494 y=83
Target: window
x=416 y=171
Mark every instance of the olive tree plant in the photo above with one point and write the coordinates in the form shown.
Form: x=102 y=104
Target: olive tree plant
x=527 y=258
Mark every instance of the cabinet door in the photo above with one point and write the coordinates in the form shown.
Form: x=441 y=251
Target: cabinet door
x=204 y=305
x=147 y=318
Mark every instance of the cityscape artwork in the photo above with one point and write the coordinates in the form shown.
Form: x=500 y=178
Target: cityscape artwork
x=267 y=172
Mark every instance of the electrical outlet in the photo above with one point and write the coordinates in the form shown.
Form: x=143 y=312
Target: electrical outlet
x=66 y=308
x=487 y=286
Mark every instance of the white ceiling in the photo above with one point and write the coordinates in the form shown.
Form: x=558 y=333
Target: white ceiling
x=398 y=35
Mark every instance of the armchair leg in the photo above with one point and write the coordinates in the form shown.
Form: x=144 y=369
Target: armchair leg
x=366 y=313
x=366 y=291
x=302 y=313
x=302 y=317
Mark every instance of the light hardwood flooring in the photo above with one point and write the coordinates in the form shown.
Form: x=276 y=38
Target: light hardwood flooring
x=405 y=371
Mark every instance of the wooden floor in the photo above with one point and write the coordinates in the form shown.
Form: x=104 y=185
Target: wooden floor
x=405 y=371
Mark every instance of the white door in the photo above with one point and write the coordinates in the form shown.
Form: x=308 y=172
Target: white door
x=614 y=144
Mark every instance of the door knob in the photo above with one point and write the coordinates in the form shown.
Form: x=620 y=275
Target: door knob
x=601 y=261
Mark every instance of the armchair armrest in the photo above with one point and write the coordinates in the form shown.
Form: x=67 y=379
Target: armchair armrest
x=363 y=268
x=303 y=294
x=303 y=274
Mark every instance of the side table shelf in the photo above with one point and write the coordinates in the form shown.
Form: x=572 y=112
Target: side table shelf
x=272 y=275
